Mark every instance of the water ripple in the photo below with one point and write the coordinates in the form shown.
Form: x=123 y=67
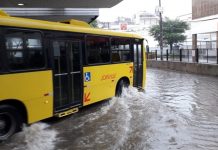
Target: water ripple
x=176 y=111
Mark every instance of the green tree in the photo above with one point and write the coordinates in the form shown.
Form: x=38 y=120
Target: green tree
x=173 y=32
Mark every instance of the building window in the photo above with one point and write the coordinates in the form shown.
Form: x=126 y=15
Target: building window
x=24 y=50
x=98 y=49
x=121 y=51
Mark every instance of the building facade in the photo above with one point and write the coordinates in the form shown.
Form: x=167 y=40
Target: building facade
x=204 y=8
x=205 y=26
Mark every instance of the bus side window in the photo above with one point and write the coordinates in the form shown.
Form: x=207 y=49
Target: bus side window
x=98 y=49
x=36 y=58
x=1 y=67
x=15 y=50
x=1 y=53
x=115 y=56
x=24 y=49
x=1 y=63
x=121 y=50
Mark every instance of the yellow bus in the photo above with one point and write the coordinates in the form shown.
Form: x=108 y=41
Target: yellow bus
x=54 y=68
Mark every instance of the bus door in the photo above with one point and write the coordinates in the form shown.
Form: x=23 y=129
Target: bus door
x=138 y=65
x=67 y=74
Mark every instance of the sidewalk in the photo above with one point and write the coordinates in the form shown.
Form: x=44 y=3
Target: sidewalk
x=196 y=68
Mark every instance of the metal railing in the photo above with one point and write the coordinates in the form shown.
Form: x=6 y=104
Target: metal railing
x=202 y=55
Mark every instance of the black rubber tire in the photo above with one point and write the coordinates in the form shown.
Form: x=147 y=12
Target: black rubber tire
x=10 y=121
x=121 y=84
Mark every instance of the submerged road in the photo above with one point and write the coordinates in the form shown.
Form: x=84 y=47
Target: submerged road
x=177 y=111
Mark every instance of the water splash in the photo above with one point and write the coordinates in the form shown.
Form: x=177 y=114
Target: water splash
x=88 y=118
x=38 y=136
x=125 y=117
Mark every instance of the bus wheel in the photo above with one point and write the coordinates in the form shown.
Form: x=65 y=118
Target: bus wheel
x=10 y=121
x=121 y=84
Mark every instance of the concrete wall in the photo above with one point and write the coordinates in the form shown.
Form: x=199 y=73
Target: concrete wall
x=203 y=69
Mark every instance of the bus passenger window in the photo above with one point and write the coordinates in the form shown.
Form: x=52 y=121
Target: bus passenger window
x=1 y=63
x=121 y=50
x=0 y=66
x=1 y=59
x=98 y=49
x=24 y=50
x=14 y=49
x=34 y=49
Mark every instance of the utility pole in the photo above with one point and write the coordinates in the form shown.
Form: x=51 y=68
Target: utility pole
x=161 y=30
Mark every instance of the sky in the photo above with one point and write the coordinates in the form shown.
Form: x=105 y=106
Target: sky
x=171 y=8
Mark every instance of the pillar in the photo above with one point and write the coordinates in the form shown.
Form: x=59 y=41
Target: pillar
x=217 y=47
x=194 y=47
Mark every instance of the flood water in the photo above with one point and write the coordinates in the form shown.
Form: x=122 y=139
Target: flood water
x=177 y=111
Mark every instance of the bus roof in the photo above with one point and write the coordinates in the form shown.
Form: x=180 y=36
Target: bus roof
x=40 y=24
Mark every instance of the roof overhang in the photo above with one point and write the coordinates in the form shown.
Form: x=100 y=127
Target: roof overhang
x=60 y=3
x=55 y=14
x=56 y=10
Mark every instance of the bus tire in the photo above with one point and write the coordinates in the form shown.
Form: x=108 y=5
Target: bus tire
x=10 y=121
x=120 y=85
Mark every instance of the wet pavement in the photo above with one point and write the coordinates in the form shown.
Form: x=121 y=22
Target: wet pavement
x=177 y=111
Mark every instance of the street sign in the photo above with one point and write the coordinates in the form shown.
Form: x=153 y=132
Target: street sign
x=123 y=26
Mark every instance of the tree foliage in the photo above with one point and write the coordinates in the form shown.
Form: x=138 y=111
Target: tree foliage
x=172 y=31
